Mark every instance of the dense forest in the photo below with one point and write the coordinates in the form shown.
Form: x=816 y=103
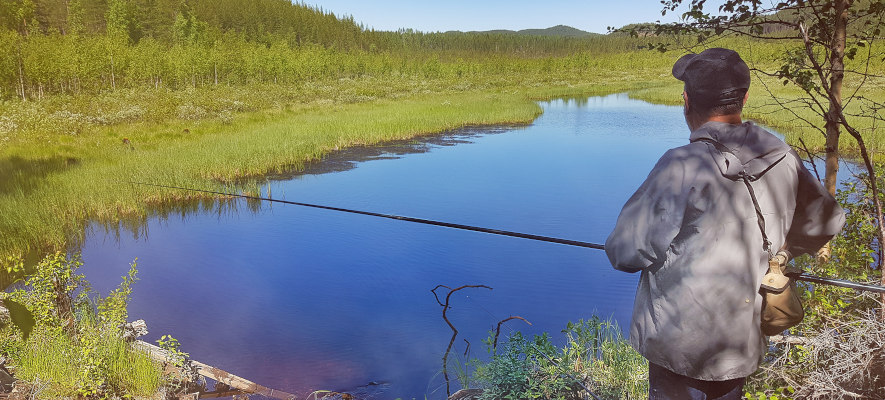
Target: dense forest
x=171 y=21
x=74 y=46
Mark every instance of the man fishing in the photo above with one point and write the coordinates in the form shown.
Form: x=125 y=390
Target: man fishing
x=693 y=232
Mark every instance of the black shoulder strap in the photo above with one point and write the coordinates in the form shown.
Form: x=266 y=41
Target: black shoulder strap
x=766 y=244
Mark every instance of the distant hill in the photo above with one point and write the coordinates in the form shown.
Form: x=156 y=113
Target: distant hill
x=558 y=30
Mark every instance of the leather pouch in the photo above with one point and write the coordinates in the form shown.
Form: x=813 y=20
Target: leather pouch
x=781 y=306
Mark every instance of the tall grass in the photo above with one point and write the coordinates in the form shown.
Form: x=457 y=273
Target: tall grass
x=52 y=195
x=50 y=364
x=47 y=359
x=136 y=372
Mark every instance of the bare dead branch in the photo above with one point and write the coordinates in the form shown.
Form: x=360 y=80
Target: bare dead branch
x=811 y=158
x=437 y=297
x=451 y=326
x=809 y=50
x=786 y=107
x=498 y=329
x=843 y=361
x=865 y=76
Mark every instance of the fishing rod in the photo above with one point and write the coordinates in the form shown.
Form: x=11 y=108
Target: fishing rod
x=397 y=217
x=801 y=276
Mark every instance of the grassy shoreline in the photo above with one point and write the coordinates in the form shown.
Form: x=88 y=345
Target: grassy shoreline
x=63 y=158
x=57 y=184
x=56 y=181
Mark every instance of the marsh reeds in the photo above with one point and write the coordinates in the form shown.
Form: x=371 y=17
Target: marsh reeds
x=55 y=361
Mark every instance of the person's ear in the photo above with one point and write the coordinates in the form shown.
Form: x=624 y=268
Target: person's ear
x=685 y=101
x=746 y=96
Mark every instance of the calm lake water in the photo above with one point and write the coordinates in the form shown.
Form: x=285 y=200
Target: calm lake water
x=302 y=299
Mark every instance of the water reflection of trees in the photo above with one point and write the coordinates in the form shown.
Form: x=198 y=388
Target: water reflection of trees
x=137 y=225
x=200 y=204
x=348 y=158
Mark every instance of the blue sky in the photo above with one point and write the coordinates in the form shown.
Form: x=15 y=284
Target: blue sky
x=471 y=15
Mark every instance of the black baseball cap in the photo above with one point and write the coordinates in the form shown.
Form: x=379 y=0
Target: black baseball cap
x=715 y=76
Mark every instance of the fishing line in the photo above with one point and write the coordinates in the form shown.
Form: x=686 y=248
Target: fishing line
x=801 y=276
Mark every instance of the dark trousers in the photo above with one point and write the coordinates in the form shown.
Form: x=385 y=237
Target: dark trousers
x=664 y=384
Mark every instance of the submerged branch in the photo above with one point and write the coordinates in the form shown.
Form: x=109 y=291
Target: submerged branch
x=446 y=307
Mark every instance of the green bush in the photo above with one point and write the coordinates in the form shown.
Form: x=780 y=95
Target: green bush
x=75 y=347
x=595 y=357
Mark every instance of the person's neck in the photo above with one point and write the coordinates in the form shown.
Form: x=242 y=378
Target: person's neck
x=734 y=119
x=695 y=122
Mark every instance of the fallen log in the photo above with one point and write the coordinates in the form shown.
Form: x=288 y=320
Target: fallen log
x=219 y=394
x=216 y=374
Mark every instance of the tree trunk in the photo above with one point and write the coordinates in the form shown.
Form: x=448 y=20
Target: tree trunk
x=64 y=307
x=21 y=76
x=835 y=116
x=113 y=78
x=67 y=22
x=837 y=74
x=832 y=117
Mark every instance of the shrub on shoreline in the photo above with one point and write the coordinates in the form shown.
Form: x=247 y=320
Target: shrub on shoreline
x=74 y=346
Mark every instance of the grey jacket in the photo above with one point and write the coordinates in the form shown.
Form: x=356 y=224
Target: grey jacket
x=691 y=229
